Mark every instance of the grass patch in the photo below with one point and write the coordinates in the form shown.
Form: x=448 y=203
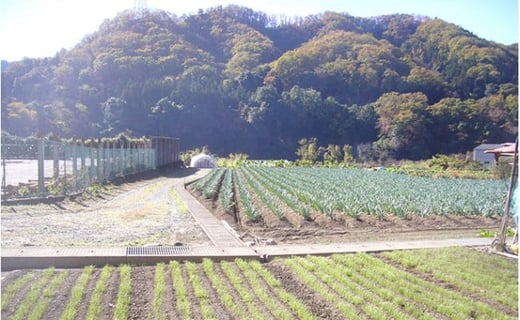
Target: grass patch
x=179 y=203
x=493 y=278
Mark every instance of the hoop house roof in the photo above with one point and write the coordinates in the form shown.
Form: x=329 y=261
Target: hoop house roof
x=203 y=161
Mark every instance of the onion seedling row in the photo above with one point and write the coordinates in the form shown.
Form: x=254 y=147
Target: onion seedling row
x=416 y=284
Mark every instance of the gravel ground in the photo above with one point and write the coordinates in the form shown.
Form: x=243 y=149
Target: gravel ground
x=142 y=212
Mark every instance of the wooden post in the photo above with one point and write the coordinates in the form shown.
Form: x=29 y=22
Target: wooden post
x=503 y=228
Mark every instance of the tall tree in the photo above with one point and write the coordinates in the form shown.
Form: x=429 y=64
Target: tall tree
x=403 y=125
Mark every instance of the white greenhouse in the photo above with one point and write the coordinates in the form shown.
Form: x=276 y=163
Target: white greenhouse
x=203 y=161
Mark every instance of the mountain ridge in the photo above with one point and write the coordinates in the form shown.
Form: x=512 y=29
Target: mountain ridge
x=234 y=79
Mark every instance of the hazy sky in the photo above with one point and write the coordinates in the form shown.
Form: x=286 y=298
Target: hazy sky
x=40 y=28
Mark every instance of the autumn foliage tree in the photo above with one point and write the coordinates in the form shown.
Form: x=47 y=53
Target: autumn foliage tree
x=238 y=80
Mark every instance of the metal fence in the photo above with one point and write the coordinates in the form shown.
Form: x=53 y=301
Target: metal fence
x=33 y=168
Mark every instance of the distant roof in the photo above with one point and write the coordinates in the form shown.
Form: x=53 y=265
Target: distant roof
x=506 y=149
x=488 y=146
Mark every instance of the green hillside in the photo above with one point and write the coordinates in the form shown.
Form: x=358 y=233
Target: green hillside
x=238 y=80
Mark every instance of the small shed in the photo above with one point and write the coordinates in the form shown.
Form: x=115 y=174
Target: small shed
x=481 y=153
x=203 y=161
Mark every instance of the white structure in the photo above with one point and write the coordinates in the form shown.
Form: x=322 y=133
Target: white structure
x=203 y=161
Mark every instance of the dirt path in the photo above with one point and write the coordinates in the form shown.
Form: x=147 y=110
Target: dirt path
x=134 y=213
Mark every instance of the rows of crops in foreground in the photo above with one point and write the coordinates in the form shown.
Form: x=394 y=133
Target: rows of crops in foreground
x=352 y=192
x=452 y=283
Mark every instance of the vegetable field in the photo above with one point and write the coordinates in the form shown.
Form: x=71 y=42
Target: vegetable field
x=450 y=283
x=270 y=194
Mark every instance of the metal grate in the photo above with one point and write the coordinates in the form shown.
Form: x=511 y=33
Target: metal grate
x=158 y=251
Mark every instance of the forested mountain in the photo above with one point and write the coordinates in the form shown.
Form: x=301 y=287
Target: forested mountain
x=237 y=80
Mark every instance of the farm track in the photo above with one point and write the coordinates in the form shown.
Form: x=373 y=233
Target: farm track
x=133 y=213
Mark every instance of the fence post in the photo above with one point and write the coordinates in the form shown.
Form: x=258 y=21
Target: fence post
x=108 y=156
x=114 y=159
x=99 y=164
x=75 y=163
x=4 y=187
x=140 y=162
x=82 y=154
x=64 y=146
x=83 y=170
x=108 y=160
x=128 y=152
x=91 y=162
x=41 y=166
x=55 y=159
x=122 y=162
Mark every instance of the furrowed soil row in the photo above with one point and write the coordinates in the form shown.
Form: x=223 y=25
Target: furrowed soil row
x=88 y=292
x=62 y=301
x=318 y=205
x=109 y=296
x=363 y=286
x=141 y=298
x=213 y=297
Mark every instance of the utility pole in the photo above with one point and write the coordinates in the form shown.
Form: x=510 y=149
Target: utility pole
x=140 y=8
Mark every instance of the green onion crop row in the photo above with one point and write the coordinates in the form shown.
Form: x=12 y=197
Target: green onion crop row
x=95 y=301
x=77 y=294
x=220 y=286
x=181 y=292
x=9 y=291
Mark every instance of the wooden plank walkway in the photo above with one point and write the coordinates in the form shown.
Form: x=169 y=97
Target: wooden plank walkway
x=216 y=230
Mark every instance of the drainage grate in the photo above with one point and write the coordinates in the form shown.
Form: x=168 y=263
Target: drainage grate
x=158 y=251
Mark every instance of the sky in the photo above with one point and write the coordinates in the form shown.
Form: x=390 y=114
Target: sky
x=40 y=28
